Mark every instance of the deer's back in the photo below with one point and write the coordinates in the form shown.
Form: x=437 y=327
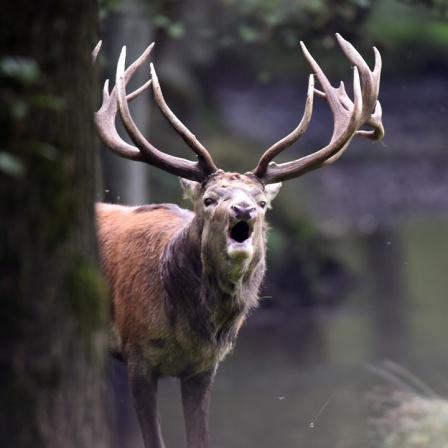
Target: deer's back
x=131 y=243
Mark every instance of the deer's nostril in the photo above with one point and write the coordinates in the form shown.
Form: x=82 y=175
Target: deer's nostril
x=243 y=211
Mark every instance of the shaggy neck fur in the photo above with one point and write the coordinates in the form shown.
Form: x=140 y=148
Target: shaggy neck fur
x=205 y=293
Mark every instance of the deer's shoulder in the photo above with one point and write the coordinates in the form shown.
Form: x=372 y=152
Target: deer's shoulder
x=163 y=216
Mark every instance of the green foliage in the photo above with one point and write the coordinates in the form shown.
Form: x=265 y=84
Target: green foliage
x=439 y=8
x=107 y=6
x=289 y=21
x=173 y=28
x=20 y=98
x=23 y=70
x=416 y=24
x=87 y=294
x=420 y=35
x=11 y=165
x=282 y=24
x=25 y=98
x=286 y=22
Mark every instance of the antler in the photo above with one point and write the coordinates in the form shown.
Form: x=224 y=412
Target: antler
x=348 y=118
x=143 y=151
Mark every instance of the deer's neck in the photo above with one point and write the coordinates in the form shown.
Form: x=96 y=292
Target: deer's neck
x=222 y=291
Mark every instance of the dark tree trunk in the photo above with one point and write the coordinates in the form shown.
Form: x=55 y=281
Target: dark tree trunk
x=52 y=305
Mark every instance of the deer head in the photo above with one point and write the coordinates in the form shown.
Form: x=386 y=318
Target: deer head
x=230 y=209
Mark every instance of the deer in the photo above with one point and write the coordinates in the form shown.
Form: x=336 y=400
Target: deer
x=182 y=282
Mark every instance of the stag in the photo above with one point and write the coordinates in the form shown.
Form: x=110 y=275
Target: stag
x=182 y=282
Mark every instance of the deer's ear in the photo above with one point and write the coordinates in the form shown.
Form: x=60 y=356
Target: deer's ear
x=271 y=191
x=191 y=189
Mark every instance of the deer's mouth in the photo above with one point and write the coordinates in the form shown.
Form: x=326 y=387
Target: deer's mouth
x=239 y=239
x=240 y=232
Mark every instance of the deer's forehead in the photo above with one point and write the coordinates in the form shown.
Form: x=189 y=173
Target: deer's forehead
x=235 y=180
x=227 y=188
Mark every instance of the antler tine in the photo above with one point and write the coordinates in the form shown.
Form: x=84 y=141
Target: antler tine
x=96 y=50
x=371 y=85
x=105 y=117
x=287 y=141
x=204 y=158
x=118 y=100
x=348 y=116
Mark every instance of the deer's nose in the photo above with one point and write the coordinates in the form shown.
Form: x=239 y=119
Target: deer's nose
x=243 y=211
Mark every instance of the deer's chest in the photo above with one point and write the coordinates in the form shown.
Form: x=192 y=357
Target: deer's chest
x=196 y=344
x=185 y=357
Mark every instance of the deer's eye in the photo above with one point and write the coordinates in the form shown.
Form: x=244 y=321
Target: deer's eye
x=262 y=204
x=208 y=201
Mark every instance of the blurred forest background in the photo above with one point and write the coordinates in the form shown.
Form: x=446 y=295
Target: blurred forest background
x=349 y=347
x=357 y=251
